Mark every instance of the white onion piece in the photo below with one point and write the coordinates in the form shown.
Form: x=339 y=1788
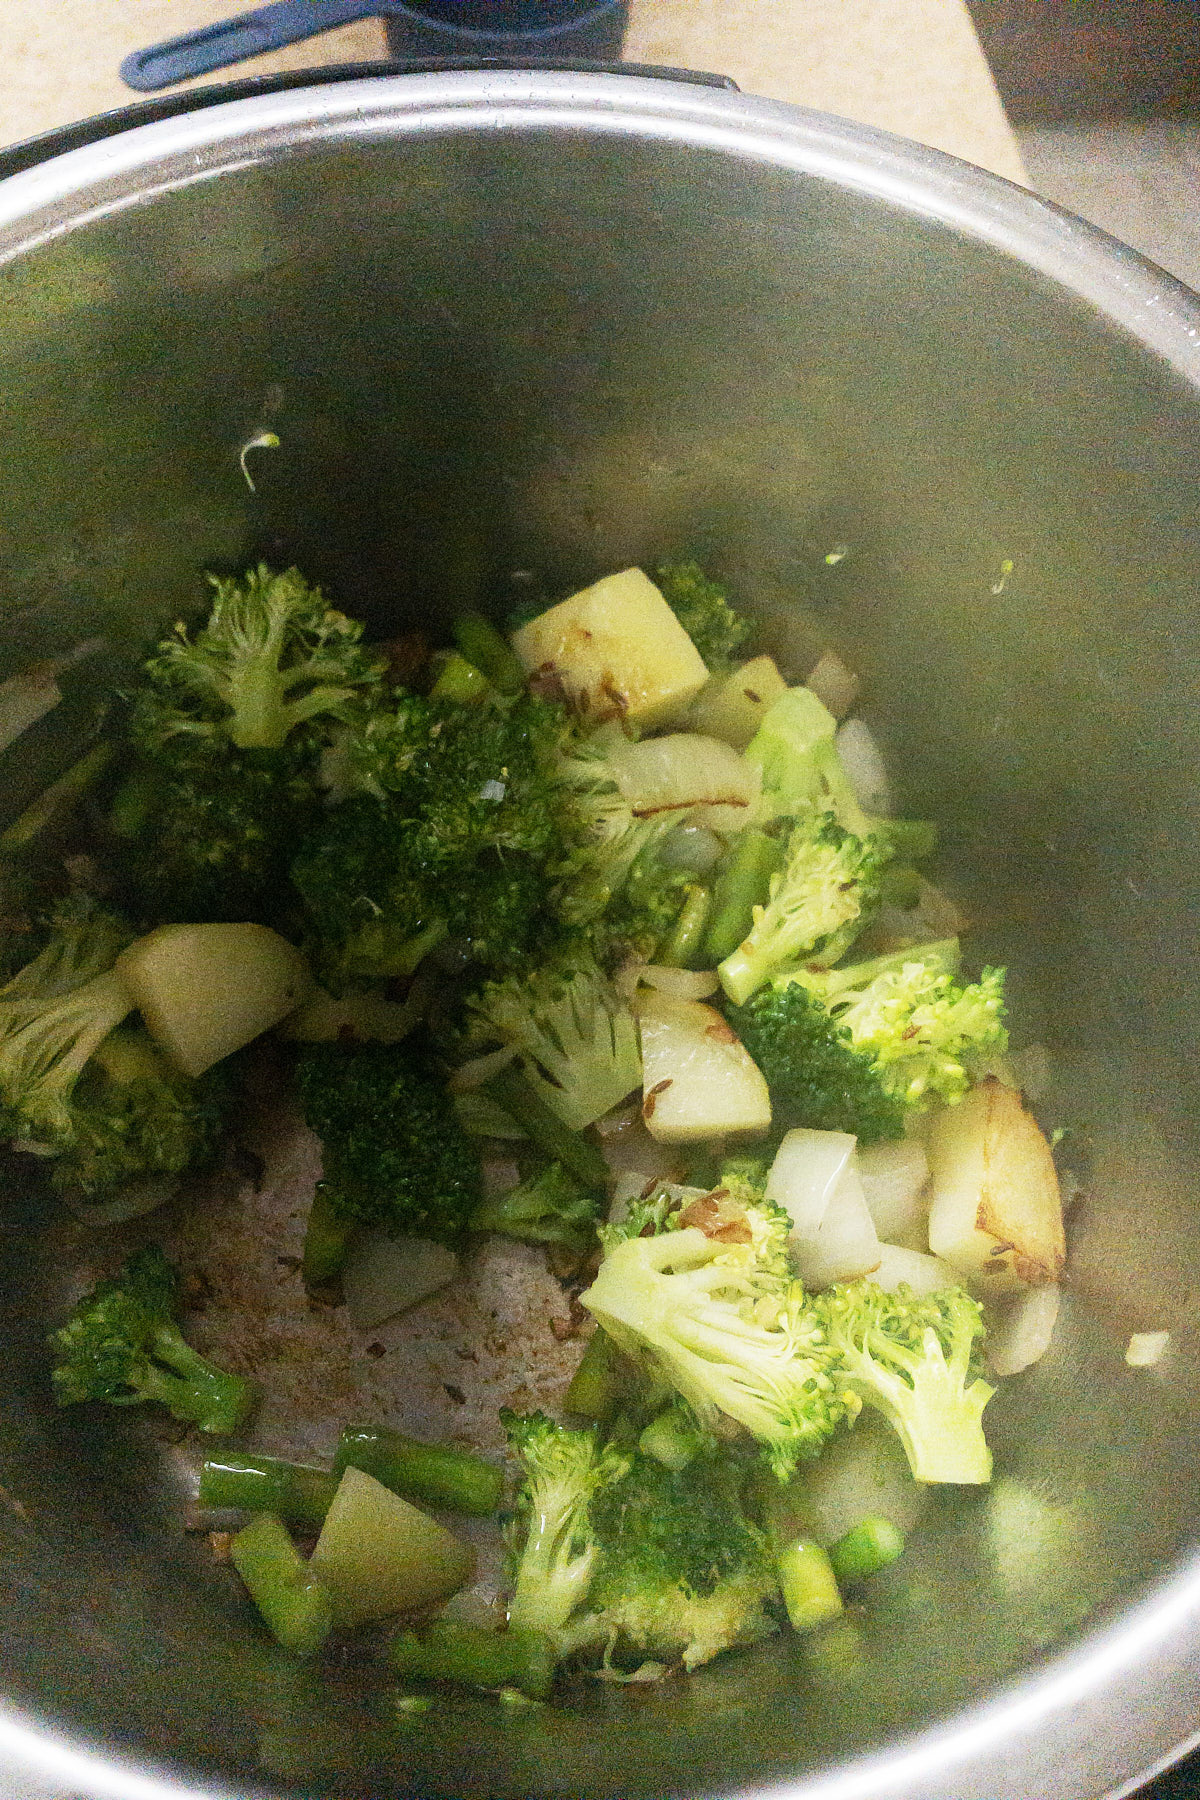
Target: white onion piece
x=863 y=762
x=924 y=1274
x=681 y=984
x=473 y=1074
x=1145 y=1348
x=845 y=1243
x=892 y=1177
x=835 y=686
x=691 y=847
x=807 y=1169
x=1023 y=1332
x=628 y=1146
x=684 y=773
x=385 y=1275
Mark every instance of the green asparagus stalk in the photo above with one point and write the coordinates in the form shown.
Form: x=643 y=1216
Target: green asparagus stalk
x=326 y=1240
x=597 y=1385
x=434 y=1474
x=469 y=1654
x=483 y=645
x=743 y=881
x=542 y=1125
x=866 y=1548
x=291 y=1600
x=685 y=940
x=269 y=1484
x=460 y=681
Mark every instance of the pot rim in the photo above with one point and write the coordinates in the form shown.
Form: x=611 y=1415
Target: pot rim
x=1122 y=1702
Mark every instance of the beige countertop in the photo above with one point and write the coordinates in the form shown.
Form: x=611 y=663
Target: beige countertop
x=911 y=66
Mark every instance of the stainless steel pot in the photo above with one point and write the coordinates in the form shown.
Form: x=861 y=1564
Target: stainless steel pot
x=563 y=322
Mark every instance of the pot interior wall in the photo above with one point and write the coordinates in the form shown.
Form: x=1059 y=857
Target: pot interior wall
x=556 y=354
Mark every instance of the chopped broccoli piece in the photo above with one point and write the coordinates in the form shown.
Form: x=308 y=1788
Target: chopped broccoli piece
x=927 y=1035
x=564 y=1470
x=683 y=1574
x=915 y=1358
x=547 y=1208
x=272 y=657
x=704 y=612
x=577 y=1039
x=135 y=1116
x=817 y=904
x=619 y=1555
x=122 y=1344
x=720 y=1323
x=394 y=1152
x=54 y=1013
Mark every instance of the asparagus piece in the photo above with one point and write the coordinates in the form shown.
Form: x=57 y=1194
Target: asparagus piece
x=267 y=1484
x=542 y=1125
x=483 y=645
x=461 y=681
x=469 y=1654
x=436 y=1474
x=597 y=1385
x=291 y=1600
x=743 y=881
x=866 y=1548
x=326 y=1241
x=685 y=940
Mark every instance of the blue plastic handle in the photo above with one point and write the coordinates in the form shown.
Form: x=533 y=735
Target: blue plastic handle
x=249 y=34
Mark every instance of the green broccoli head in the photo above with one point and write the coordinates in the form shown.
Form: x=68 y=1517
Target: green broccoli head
x=720 y=1323
x=927 y=1035
x=576 y=1038
x=549 y=1207
x=915 y=1358
x=272 y=658
x=135 y=1118
x=122 y=1344
x=816 y=1076
x=817 y=904
x=683 y=1574
x=54 y=1013
x=704 y=612
x=394 y=1152
x=203 y=833
x=556 y=1549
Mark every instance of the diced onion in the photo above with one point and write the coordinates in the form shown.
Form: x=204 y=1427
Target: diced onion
x=1022 y=1333
x=384 y=1276
x=924 y=1274
x=845 y=1244
x=1146 y=1348
x=892 y=1177
x=698 y=777
x=807 y=1169
x=863 y=762
x=834 y=684
x=681 y=984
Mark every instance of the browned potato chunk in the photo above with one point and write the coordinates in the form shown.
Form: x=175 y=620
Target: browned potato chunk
x=995 y=1210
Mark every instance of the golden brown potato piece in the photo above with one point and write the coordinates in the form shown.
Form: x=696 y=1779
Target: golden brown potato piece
x=995 y=1210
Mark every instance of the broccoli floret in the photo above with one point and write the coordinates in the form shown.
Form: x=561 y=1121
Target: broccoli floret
x=577 y=1039
x=704 y=612
x=817 y=904
x=816 y=1077
x=563 y=1472
x=228 y=727
x=621 y=1556
x=134 y=1116
x=723 y=1326
x=394 y=1154
x=683 y=1574
x=54 y=1014
x=206 y=833
x=272 y=657
x=549 y=1207
x=914 y=1358
x=927 y=1035
x=122 y=1344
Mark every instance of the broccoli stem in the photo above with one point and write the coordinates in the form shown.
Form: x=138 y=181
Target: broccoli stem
x=807 y=1582
x=268 y=1484
x=743 y=882
x=326 y=1240
x=483 y=645
x=671 y=1440
x=433 y=1473
x=682 y=946
x=866 y=1548
x=460 y=681
x=542 y=1125
x=209 y=1397
x=597 y=1386
x=292 y=1601
x=469 y=1654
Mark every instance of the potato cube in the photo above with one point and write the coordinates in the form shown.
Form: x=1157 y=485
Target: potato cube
x=618 y=650
x=378 y=1555
x=698 y=1079
x=732 y=707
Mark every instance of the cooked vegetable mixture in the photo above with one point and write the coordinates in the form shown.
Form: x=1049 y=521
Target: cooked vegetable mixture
x=598 y=936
